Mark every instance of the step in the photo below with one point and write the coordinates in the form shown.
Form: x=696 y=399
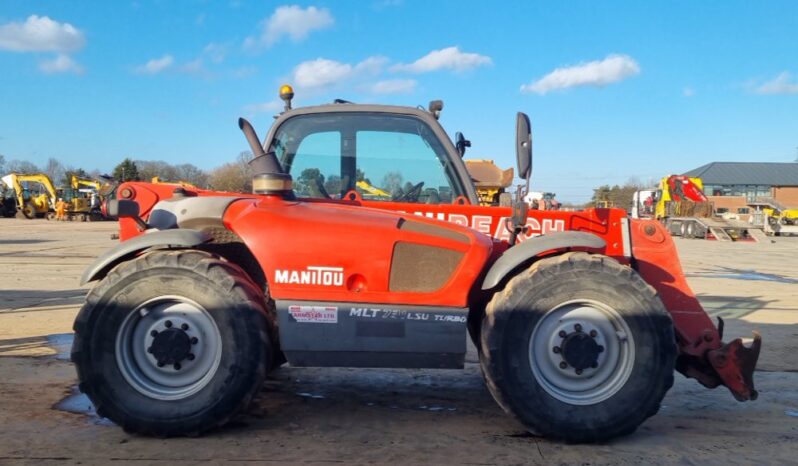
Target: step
x=719 y=234
x=758 y=235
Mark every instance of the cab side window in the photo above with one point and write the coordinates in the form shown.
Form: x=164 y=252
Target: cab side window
x=316 y=165
x=383 y=157
x=402 y=166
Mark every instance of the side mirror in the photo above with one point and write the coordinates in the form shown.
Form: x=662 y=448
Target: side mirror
x=460 y=142
x=523 y=145
x=123 y=208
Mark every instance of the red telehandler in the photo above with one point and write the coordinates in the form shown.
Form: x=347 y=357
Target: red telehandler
x=580 y=318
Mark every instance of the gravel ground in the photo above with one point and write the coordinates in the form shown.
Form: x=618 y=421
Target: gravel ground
x=353 y=416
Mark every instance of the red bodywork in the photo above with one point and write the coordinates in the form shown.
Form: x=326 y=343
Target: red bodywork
x=362 y=235
x=682 y=188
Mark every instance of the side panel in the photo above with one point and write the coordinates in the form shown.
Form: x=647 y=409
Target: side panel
x=341 y=253
x=316 y=333
x=604 y=223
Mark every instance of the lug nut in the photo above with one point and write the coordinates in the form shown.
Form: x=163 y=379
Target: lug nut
x=578 y=327
x=562 y=334
x=177 y=366
x=194 y=340
x=161 y=364
x=556 y=349
x=168 y=324
x=593 y=333
x=563 y=365
x=184 y=326
x=154 y=333
x=600 y=349
x=579 y=372
x=190 y=356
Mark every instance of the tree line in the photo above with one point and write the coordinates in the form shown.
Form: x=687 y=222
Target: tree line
x=234 y=176
x=617 y=195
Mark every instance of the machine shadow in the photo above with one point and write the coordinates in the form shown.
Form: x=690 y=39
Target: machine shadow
x=16 y=301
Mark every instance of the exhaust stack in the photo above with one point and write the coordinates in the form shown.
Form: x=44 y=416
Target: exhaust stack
x=268 y=177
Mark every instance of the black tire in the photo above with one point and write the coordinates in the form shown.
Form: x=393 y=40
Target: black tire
x=690 y=230
x=234 y=305
x=29 y=211
x=507 y=359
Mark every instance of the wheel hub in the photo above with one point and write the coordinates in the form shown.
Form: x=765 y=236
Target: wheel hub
x=168 y=348
x=171 y=346
x=580 y=351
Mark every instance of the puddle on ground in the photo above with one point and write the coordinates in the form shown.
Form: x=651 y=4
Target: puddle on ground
x=745 y=275
x=62 y=344
x=75 y=402
x=78 y=403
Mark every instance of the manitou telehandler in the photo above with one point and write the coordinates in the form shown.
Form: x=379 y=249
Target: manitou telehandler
x=579 y=317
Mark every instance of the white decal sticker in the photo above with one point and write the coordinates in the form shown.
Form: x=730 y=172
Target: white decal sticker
x=401 y=314
x=314 y=314
x=481 y=223
x=313 y=275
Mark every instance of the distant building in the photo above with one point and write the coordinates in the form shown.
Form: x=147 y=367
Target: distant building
x=749 y=182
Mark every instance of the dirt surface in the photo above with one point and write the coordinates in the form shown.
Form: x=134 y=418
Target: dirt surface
x=351 y=416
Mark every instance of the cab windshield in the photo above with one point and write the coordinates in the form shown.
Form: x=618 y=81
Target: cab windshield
x=384 y=157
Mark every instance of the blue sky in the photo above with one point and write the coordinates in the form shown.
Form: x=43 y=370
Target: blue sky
x=614 y=89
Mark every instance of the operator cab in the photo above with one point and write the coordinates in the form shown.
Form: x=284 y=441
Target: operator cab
x=383 y=155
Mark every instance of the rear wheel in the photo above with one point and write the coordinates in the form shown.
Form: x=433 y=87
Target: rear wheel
x=172 y=343
x=578 y=348
x=29 y=211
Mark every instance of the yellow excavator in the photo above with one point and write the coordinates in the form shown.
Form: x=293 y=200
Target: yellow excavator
x=491 y=182
x=36 y=196
x=372 y=192
x=85 y=198
x=77 y=183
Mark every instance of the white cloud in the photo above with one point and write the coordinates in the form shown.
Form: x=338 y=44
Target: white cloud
x=393 y=86
x=156 y=65
x=611 y=69
x=688 y=92
x=450 y=58
x=264 y=107
x=323 y=73
x=216 y=53
x=195 y=66
x=781 y=84
x=290 y=21
x=60 y=64
x=40 y=34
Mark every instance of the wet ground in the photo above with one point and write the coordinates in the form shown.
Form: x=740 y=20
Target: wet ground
x=305 y=416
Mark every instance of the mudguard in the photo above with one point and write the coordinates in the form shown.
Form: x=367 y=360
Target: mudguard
x=181 y=238
x=532 y=247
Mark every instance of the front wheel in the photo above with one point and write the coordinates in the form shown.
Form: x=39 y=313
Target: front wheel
x=579 y=348
x=173 y=343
